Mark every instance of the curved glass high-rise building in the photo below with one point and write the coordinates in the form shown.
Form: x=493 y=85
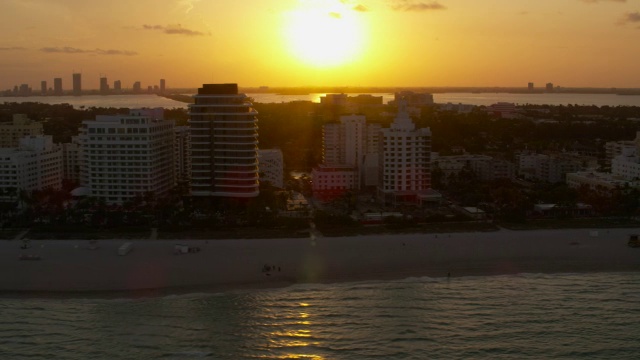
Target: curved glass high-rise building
x=224 y=143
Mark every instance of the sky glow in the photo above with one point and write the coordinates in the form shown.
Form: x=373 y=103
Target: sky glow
x=573 y=43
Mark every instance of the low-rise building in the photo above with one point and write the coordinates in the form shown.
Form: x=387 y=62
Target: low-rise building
x=504 y=110
x=332 y=182
x=601 y=182
x=271 y=165
x=614 y=149
x=553 y=168
x=485 y=167
x=627 y=164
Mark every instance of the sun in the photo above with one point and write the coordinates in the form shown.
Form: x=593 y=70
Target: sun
x=324 y=37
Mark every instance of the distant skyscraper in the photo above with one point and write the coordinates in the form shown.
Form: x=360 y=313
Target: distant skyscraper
x=224 y=143
x=25 y=90
x=137 y=87
x=104 y=86
x=549 y=87
x=117 y=85
x=77 y=84
x=162 y=86
x=530 y=86
x=43 y=87
x=57 y=86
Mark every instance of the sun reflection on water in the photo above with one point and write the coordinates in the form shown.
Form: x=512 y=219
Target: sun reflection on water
x=295 y=339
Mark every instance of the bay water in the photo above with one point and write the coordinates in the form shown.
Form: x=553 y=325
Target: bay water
x=140 y=101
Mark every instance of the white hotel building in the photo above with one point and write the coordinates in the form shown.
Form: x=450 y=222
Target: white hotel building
x=224 y=143
x=35 y=164
x=405 y=161
x=124 y=156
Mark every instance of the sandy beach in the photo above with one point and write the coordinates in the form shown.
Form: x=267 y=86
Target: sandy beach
x=70 y=266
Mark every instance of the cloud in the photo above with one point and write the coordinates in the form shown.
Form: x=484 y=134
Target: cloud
x=12 y=48
x=355 y=6
x=360 y=8
x=630 y=18
x=415 y=5
x=187 y=5
x=176 y=29
x=115 y=52
x=72 y=50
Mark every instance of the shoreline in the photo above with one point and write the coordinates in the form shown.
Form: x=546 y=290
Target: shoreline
x=68 y=268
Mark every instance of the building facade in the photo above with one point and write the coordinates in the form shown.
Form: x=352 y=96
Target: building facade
x=405 y=161
x=332 y=181
x=124 y=156
x=35 y=164
x=224 y=143
x=72 y=161
x=182 y=147
x=553 y=168
x=485 y=168
x=271 y=164
x=21 y=126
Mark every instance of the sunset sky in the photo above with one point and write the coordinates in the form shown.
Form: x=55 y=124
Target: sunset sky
x=572 y=43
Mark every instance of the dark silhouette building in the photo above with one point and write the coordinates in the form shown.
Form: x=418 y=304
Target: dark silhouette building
x=104 y=86
x=224 y=143
x=77 y=84
x=57 y=86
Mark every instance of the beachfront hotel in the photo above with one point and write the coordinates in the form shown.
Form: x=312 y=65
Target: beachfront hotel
x=124 y=156
x=35 y=164
x=345 y=147
x=224 y=143
x=405 y=162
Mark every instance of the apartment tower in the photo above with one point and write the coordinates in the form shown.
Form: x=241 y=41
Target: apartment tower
x=224 y=143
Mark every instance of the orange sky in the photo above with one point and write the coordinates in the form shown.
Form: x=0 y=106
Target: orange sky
x=573 y=43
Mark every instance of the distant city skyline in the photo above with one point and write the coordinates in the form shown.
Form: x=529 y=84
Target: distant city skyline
x=410 y=43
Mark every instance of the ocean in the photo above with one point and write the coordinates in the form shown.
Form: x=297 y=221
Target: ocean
x=138 y=101
x=527 y=316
